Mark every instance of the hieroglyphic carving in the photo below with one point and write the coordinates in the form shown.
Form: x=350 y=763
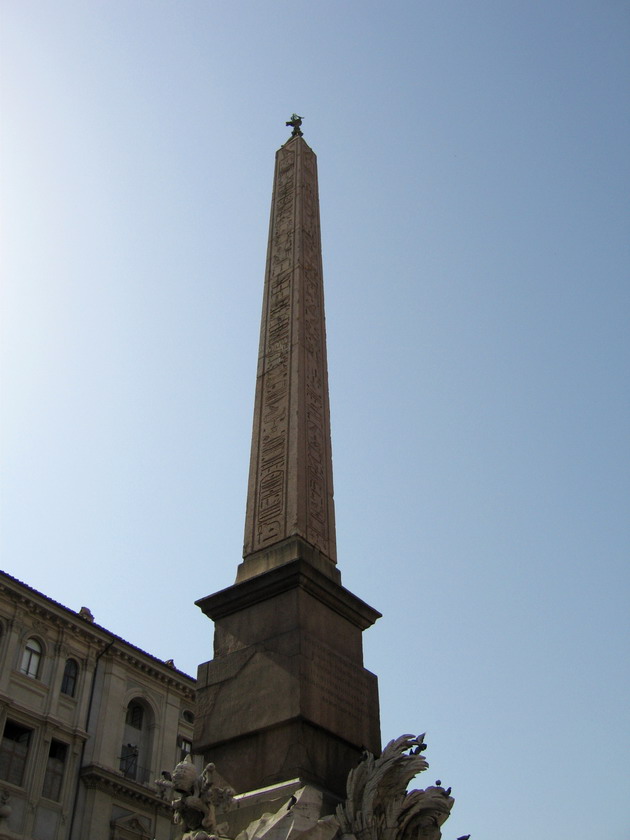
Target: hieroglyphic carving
x=274 y=394
x=318 y=461
x=288 y=497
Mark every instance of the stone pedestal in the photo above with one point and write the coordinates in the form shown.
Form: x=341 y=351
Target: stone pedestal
x=286 y=695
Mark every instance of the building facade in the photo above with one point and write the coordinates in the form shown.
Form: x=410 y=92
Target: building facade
x=88 y=723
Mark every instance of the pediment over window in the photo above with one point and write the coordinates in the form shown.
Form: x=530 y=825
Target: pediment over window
x=133 y=827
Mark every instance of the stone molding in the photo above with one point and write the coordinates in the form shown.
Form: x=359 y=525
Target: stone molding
x=95 y=776
x=29 y=717
x=297 y=573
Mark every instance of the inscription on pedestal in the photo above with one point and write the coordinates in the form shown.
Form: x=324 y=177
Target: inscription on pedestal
x=342 y=690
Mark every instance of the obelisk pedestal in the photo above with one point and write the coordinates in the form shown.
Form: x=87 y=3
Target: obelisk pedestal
x=286 y=696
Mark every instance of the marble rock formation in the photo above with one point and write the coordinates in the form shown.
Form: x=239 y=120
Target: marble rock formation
x=300 y=817
x=377 y=804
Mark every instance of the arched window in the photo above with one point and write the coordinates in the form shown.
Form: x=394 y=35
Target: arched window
x=135 y=715
x=31 y=658
x=69 y=681
x=137 y=747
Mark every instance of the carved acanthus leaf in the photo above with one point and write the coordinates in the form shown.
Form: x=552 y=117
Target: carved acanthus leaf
x=378 y=806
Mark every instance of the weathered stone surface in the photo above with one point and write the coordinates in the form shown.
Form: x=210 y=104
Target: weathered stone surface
x=286 y=695
x=195 y=799
x=301 y=817
x=290 y=491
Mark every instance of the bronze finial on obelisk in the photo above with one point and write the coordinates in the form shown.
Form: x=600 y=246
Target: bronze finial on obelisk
x=295 y=122
x=290 y=508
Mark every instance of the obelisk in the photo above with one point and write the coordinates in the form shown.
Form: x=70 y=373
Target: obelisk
x=290 y=507
x=286 y=697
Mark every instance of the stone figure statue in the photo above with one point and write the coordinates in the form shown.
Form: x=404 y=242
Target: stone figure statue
x=295 y=122
x=165 y=786
x=194 y=797
x=424 y=812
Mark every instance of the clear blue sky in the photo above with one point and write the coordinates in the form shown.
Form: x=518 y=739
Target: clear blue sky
x=474 y=182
